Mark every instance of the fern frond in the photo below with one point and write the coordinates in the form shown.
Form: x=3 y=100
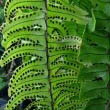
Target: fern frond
x=49 y=76
x=13 y=6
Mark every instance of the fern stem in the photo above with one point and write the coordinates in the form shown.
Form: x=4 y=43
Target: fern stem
x=46 y=38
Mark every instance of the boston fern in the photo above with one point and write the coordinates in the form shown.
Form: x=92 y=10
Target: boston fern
x=46 y=36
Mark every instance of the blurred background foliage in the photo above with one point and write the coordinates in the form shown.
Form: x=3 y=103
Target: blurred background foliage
x=3 y=76
x=95 y=55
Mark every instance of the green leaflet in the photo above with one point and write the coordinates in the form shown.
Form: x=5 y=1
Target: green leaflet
x=98 y=70
x=20 y=51
x=67 y=5
x=36 y=24
x=101 y=5
x=12 y=6
x=66 y=13
x=92 y=22
x=98 y=104
x=24 y=34
x=35 y=104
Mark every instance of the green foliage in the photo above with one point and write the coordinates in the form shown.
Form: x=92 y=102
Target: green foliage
x=64 y=51
x=95 y=56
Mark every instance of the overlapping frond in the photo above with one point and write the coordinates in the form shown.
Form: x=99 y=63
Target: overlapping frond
x=96 y=58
